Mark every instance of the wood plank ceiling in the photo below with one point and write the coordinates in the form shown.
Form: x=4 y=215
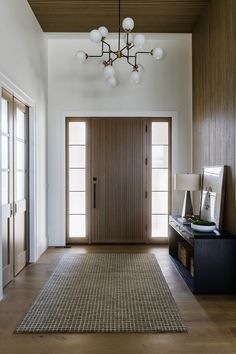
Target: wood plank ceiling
x=151 y=16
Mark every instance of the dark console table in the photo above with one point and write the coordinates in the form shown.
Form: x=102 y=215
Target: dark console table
x=214 y=258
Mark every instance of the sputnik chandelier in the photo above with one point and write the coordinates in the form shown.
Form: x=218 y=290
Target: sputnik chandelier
x=132 y=41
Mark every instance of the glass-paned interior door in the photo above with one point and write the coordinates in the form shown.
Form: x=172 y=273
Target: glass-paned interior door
x=6 y=185
x=76 y=180
x=20 y=185
x=160 y=177
x=14 y=185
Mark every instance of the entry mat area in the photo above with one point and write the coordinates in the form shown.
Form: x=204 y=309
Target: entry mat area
x=102 y=293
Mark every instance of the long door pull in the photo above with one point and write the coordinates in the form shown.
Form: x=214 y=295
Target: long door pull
x=94 y=192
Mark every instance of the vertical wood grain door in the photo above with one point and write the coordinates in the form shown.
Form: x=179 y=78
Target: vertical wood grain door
x=14 y=186
x=118 y=185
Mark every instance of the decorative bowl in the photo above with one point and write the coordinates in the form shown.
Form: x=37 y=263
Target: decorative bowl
x=203 y=228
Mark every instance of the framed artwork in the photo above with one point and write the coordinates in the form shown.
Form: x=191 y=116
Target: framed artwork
x=212 y=194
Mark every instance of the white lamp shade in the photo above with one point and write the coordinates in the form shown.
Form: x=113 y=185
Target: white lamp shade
x=135 y=77
x=104 y=31
x=95 y=36
x=158 y=53
x=108 y=71
x=139 y=41
x=187 y=182
x=128 y=24
x=81 y=56
x=112 y=81
x=140 y=68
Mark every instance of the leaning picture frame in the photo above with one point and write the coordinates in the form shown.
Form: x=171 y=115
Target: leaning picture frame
x=213 y=194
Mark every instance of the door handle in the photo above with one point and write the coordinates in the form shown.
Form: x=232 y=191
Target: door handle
x=94 y=192
x=15 y=208
x=11 y=210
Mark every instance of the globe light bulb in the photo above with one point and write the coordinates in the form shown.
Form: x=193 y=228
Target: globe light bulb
x=81 y=56
x=112 y=81
x=140 y=68
x=158 y=53
x=108 y=72
x=128 y=24
x=95 y=36
x=135 y=77
x=139 y=41
x=130 y=38
x=104 y=31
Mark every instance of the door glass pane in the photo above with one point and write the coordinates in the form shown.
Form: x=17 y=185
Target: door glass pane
x=5 y=154
x=5 y=183
x=20 y=124
x=160 y=203
x=76 y=156
x=159 y=225
x=160 y=156
x=77 y=180
x=160 y=180
x=77 y=226
x=20 y=155
x=160 y=133
x=4 y=115
x=77 y=203
x=76 y=173
x=77 y=133
x=20 y=185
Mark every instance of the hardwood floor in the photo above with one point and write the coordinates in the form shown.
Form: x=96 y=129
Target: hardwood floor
x=211 y=320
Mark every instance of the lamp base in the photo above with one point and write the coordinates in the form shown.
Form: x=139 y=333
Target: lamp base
x=187 y=206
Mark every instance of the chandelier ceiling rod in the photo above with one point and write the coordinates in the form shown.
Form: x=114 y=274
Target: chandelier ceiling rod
x=119 y=26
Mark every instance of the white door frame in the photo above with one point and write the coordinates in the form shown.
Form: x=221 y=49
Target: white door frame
x=7 y=84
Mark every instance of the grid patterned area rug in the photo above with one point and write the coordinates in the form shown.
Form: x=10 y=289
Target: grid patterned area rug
x=104 y=293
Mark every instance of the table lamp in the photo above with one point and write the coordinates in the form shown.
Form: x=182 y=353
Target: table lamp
x=187 y=182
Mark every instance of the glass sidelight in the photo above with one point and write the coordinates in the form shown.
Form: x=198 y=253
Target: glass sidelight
x=160 y=177
x=76 y=179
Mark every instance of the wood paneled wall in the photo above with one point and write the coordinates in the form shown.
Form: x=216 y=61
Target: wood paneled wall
x=214 y=96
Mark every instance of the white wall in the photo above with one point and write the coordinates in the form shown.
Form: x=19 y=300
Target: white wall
x=80 y=90
x=23 y=60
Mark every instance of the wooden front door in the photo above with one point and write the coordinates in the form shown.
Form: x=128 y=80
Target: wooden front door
x=118 y=180
x=14 y=187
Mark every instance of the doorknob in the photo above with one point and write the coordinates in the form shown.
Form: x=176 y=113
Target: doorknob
x=94 y=192
x=11 y=210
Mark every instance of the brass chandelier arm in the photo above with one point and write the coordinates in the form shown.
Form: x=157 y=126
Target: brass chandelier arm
x=136 y=55
x=103 y=51
x=130 y=62
x=110 y=51
x=97 y=56
x=128 y=47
